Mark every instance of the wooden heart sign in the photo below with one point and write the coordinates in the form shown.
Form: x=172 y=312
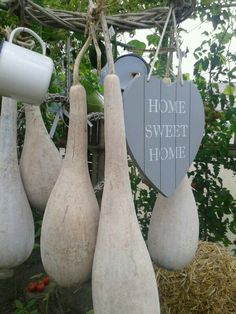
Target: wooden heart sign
x=164 y=128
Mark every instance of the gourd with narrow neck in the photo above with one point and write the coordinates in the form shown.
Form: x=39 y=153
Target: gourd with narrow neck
x=174 y=228
x=123 y=279
x=76 y=148
x=17 y=226
x=40 y=162
x=70 y=221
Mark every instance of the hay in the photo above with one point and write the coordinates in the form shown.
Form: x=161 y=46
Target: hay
x=207 y=285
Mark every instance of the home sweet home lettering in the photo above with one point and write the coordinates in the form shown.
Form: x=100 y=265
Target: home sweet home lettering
x=164 y=127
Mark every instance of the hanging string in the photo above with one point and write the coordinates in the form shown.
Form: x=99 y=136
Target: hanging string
x=68 y=60
x=178 y=50
x=160 y=43
x=92 y=25
x=169 y=71
x=76 y=77
x=93 y=16
x=97 y=49
x=110 y=60
x=61 y=112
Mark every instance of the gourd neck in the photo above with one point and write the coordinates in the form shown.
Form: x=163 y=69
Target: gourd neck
x=115 y=140
x=33 y=118
x=76 y=150
x=8 y=130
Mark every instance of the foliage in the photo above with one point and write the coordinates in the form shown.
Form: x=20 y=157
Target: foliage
x=216 y=65
x=144 y=198
x=20 y=308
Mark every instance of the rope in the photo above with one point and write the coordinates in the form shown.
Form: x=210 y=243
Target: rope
x=76 y=77
x=76 y=21
x=57 y=98
x=110 y=60
x=159 y=44
x=178 y=50
x=93 y=16
x=94 y=116
x=25 y=42
x=98 y=187
x=68 y=61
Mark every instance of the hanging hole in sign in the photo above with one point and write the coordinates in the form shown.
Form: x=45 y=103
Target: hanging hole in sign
x=134 y=74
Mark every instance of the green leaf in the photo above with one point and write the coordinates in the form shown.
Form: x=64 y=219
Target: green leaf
x=186 y=76
x=205 y=64
x=30 y=303
x=230 y=89
x=37 y=276
x=224 y=38
x=216 y=20
x=19 y=304
x=153 y=39
x=139 y=46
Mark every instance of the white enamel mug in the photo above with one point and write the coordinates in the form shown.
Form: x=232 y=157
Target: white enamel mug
x=24 y=74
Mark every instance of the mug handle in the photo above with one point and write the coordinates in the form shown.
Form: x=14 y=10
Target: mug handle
x=27 y=30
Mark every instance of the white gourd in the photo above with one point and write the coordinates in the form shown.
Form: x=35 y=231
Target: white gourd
x=123 y=279
x=40 y=162
x=17 y=226
x=70 y=222
x=174 y=228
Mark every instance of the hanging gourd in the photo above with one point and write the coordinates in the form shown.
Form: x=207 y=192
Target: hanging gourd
x=40 y=161
x=123 y=280
x=17 y=226
x=70 y=222
x=174 y=228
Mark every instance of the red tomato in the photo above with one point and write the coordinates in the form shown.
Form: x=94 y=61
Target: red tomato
x=40 y=286
x=31 y=286
x=45 y=280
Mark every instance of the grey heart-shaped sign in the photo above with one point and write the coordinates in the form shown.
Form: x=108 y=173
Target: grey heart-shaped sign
x=164 y=128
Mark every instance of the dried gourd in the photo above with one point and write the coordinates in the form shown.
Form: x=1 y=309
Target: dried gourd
x=70 y=221
x=40 y=161
x=17 y=226
x=174 y=228
x=123 y=279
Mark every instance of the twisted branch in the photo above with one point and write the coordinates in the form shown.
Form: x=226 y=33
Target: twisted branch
x=76 y=21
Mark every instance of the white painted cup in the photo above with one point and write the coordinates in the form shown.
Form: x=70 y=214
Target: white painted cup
x=24 y=74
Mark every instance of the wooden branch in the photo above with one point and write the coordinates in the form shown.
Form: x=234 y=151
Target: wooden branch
x=76 y=21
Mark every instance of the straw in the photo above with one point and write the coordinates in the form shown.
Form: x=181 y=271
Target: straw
x=207 y=285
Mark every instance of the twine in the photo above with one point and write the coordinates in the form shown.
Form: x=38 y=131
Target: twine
x=159 y=44
x=178 y=50
x=93 y=17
